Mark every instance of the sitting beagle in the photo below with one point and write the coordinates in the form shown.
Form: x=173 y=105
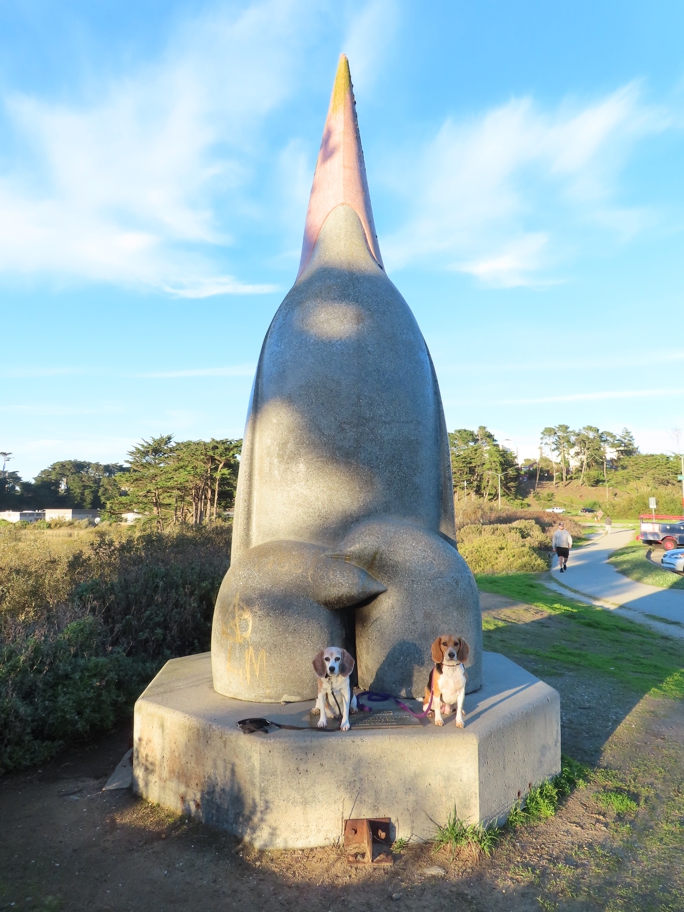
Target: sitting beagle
x=333 y=667
x=447 y=681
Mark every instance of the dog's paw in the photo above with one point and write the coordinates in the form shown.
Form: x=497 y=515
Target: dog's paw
x=315 y=711
x=345 y=727
x=439 y=722
x=459 y=723
x=323 y=723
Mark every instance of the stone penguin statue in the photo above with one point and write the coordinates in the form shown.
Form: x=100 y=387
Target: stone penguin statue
x=344 y=525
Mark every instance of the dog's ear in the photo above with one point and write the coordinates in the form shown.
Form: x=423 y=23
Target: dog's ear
x=437 y=654
x=319 y=664
x=347 y=665
x=463 y=650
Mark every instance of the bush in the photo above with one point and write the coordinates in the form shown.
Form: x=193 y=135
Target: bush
x=508 y=541
x=503 y=548
x=82 y=631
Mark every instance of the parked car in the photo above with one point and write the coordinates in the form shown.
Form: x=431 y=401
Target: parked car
x=674 y=560
x=587 y=510
x=554 y=510
x=662 y=529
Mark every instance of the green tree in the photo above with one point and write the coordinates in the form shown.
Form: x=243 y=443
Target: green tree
x=559 y=440
x=479 y=463
x=589 y=449
x=179 y=482
x=71 y=483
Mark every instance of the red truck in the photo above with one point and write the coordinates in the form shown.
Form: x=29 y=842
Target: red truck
x=662 y=528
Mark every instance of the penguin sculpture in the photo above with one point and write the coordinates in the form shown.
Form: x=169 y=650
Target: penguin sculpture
x=344 y=527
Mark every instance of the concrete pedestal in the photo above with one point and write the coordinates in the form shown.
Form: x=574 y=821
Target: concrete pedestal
x=294 y=789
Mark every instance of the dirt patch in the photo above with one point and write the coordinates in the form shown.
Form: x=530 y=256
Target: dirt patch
x=614 y=845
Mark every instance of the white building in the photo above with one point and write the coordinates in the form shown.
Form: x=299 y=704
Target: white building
x=15 y=516
x=70 y=515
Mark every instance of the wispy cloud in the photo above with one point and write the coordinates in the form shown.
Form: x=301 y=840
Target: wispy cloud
x=624 y=361
x=29 y=372
x=144 y=185
x=245 y=370
x=592 y=397
x=52 y=410
x=493 y=196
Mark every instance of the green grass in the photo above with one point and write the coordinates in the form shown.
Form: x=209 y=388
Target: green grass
x=399 y=845
x=631 y=560
x=542 y=800
x=455 y=835
x=618 y=800
x=579 y=638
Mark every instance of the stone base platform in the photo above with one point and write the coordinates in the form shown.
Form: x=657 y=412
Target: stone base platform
x=294 y=789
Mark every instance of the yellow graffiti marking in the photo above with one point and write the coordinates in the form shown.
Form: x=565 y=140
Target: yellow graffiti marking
x=250 y=662
x=241 y=621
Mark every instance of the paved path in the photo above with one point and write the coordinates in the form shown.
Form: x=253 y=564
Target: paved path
x=589 y=574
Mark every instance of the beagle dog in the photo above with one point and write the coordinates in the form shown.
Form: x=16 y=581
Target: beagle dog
x=447 y=681
x=333 y=666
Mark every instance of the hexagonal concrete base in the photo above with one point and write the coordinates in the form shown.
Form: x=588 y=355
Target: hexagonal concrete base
x=294 y=789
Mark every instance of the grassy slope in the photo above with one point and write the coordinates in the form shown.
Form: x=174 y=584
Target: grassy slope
x=631 y=560
x=636 y=794
x=593 y=640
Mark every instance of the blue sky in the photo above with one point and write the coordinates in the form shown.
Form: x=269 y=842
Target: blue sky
x=525 y=164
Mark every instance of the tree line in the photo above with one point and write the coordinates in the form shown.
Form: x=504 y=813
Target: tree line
x=193 y=481
x=586 y=454
x=482 y=466
x=190 y=482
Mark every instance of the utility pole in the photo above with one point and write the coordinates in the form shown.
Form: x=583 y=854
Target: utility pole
x=498 y=477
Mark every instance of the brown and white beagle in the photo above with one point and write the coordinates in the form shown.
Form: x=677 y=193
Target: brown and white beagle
x=447 y=681
x=333 y=666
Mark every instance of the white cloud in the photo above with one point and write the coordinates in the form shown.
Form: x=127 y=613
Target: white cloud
x=201 y=287
x=142 y=185
x=494 y=196
x=515 y=265
x=245 y=370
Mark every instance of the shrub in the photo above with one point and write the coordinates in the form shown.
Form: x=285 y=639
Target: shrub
x=514 y=548
x=82 y=631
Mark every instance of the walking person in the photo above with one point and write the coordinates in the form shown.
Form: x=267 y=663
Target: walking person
x=561 y=544
x=609 y=525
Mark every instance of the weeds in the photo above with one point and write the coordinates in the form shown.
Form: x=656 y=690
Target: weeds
x=456 y=835
x=542 y=800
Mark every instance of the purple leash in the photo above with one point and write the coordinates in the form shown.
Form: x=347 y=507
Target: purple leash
x=374 y=697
